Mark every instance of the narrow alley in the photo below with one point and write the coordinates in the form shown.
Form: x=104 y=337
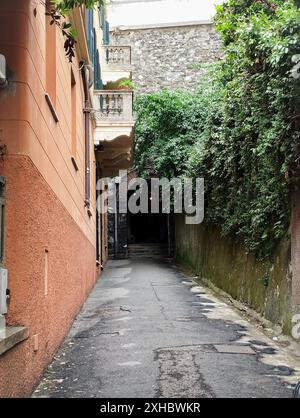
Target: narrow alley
x=148 y=330
x=149 y=202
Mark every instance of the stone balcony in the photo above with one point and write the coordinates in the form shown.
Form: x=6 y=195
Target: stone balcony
x=113 y=106
x=115 y=62
x=114 y=128
x=116 y=58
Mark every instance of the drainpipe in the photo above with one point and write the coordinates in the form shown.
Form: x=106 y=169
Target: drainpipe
x=116 y=222
x=87 y=84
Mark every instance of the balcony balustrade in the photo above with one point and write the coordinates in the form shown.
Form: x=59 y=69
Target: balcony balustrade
x=113 y=106
x=116 y=58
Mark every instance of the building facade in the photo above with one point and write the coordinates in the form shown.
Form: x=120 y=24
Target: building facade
x=60 y=131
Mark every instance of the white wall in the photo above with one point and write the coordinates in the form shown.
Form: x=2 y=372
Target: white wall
x=155 y=12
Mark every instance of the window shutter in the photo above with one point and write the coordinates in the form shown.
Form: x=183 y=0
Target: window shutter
x=91 y=34
x=97 y=69
x=101 y=15
x=106 y=33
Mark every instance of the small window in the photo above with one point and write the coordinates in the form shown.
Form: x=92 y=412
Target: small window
x=2 y=210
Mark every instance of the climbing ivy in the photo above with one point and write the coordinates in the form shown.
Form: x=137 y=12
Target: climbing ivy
x=241 y=130
x=167 y=126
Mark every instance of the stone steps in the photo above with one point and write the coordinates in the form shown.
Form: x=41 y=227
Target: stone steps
x=147 y=250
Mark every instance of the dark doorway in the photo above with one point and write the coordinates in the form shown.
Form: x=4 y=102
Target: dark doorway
x=128 y=231
x=148 y=228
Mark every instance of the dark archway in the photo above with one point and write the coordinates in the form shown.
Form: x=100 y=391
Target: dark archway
x=147 y=228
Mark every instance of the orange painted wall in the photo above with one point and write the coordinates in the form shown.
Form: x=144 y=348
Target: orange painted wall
x=45 y=196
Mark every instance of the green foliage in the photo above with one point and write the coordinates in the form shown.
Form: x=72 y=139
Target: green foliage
x=167 y=127
x=59 y=10
x=127 y=83
x=241 y=130
x=64 y=6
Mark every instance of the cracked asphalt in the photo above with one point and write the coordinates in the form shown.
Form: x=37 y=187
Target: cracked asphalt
x=148 y=330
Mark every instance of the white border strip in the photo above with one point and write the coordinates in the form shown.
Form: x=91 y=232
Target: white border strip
x=162 y=25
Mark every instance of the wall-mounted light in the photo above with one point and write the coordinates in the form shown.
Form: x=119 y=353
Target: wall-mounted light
x=3 y=80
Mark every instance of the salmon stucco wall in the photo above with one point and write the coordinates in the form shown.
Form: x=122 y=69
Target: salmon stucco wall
x=50 y=238
x=51 y=268
x=27 y=125
x=264 y=286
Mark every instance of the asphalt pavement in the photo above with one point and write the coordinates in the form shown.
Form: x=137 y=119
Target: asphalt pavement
x=148 y=330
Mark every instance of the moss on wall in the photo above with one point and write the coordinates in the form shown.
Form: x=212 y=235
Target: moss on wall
x=263 y=286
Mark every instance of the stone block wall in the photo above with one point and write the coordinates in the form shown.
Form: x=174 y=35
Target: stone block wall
x=169 y=57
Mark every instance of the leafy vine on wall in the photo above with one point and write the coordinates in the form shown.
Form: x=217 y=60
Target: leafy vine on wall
x=241 y=130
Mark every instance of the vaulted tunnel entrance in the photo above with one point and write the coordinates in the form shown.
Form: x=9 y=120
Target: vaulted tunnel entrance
x=140 y=234
x=147 y=228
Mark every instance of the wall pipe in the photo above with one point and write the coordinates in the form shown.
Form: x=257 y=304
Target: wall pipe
x=86 y=110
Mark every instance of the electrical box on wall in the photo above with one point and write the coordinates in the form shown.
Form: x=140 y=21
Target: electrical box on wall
x=3 y=291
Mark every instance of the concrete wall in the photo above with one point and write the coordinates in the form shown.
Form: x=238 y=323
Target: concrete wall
x=169 y=57
x=264 y=286
x=295 y=251
x=50 y=238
